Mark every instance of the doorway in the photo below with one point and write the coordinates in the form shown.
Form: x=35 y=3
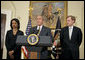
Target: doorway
x=3 y=24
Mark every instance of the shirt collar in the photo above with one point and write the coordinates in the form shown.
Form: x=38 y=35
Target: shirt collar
x=40 y=27
x=71 y=27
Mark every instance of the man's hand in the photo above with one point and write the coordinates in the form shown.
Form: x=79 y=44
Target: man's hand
x=11 y=52
x=54 y=43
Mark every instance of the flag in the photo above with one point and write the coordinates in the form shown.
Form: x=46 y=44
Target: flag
x=25 y=52
x=24 y=48
x=58 y=27
x=28 y=27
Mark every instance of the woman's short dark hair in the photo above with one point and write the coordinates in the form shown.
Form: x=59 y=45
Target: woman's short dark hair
x=18 y=23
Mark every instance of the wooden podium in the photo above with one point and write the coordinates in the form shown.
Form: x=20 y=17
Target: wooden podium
x=33 y=49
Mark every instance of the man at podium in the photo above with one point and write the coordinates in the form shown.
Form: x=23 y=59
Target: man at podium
x=41 y=30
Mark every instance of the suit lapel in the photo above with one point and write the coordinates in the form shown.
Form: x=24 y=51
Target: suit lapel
x=35 y=29
x=67 y=32
x=41 y=30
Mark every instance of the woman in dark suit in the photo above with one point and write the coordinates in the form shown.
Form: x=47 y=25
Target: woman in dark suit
x=13 y=51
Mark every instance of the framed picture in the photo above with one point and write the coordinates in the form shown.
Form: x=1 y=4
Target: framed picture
x=49 y=11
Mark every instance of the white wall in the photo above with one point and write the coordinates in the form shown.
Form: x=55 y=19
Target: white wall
x=8 y=6
x=22 y=13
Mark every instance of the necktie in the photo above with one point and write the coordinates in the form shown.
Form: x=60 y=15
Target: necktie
x=70 y=32
x=39 y=31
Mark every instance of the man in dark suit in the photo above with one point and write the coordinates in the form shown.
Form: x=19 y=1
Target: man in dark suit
x=41 y=30
x=70 y=39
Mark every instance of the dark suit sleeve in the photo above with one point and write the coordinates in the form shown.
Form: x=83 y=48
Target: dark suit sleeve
x=79 y=37
x=61 y=36
x=7 y=41
x=49 y=34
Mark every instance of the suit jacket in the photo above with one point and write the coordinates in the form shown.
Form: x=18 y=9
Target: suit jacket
x=70 y=46
x=11 y=43
x=44 y=32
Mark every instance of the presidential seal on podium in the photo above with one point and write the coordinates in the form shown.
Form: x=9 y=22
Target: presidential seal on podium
x=32 y=39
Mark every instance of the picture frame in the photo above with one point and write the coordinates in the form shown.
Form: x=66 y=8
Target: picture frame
x=48 y=9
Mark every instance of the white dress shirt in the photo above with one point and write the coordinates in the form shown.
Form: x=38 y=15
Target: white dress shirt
x=40 y=27
x=70 y=31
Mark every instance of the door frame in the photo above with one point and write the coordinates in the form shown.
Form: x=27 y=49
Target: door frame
x=7 y=27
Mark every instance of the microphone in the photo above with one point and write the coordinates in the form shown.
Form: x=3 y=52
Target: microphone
x=35 y=32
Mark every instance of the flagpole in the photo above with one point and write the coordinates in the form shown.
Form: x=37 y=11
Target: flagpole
x=59 y=16
x=30 y=10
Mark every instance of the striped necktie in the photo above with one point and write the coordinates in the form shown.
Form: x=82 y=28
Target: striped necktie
x=39 y=31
